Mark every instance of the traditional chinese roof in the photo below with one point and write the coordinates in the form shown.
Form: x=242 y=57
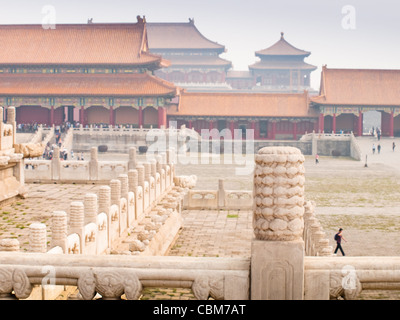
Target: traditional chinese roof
x=243 y=105
x=136 y=85
x=77 y=44
x=282 y=48
x=179 y=36
x=198 y=60
x=364 y=87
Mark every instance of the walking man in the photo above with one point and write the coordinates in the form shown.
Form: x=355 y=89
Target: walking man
x=373 y=148
x=393 y=146
x=338 y=238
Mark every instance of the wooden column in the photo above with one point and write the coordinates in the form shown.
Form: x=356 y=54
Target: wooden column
x=111 y=116
x=190 y=124
x=360 y=124
x=321 y=122
x=140 y=117
x=273 y=131
x=162 y=117
x=294 y=130
x=52 y=115
x=232 y=128
x=210 y=124
x=82 y=116
x=257 y=129
x=334 y=123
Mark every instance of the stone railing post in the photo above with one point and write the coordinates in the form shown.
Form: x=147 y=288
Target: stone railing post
x=141 y=178
x=221 y=193
x=115 y=186
x=77 y=222
x=55 y=164
x=10 y=245
x=94 y=164
x=133 y=180
x=11 y=116
x=277 y=256
x=91 y=208
x=37 y=238
x=59 y=230
x=132 y=158
x=124 y=179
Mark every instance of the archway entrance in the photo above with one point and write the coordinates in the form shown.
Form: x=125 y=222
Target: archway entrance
x=371 y=121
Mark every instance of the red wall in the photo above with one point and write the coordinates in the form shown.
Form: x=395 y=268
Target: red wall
x=32 y=114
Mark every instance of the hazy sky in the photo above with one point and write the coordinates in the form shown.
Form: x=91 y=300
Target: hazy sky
x=341 y=34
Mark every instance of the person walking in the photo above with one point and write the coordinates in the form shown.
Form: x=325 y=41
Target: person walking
x=339 y=237
x=316 y=158
x=373 y=148
x=379 y=148
x=393 y=146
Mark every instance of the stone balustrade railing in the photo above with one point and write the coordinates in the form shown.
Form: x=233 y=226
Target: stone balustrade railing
x=76 y=171
x=315 y=241
x=115 y=276
x=219 y=199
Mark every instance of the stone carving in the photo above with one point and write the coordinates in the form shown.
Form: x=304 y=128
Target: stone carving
x=14 y=280
x=344 y=284
x=279 y=194
x=30 y=150
x=186 y=181
x=109 y=284
x=203 y=287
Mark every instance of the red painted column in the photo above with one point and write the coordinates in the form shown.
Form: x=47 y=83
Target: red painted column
x=162 y=117
x=140 y=117
x=82 y=116
x=52 y=115
x=273 y=130
x=257 y=130
x=321 y=122
x=294 y=130
x=391 y=121
x=334 y=123
x=111 y=116
x=360 y=124
x=190 y=124
x=211 y=125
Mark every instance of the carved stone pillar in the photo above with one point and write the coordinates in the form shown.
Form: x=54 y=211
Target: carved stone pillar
x=94 y=164
x=104 y=199
x=277 y=259
x=132 y=158
x=115 y=186
x=133 y=180
x=91 y=208
x=37 y=238
x=123 y=178
x=59 y=230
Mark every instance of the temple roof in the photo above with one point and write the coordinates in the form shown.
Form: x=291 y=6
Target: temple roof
x=77 y=44
x=282 y=48
x=137 y=85
x=243 y=105
x=363 y=87
x=177 y=36
x=282 y=64
x=198 y=60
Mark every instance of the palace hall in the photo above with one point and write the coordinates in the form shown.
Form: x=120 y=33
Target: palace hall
x=146 y=75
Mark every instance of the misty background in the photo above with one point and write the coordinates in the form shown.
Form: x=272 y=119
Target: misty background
x=367 y=37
